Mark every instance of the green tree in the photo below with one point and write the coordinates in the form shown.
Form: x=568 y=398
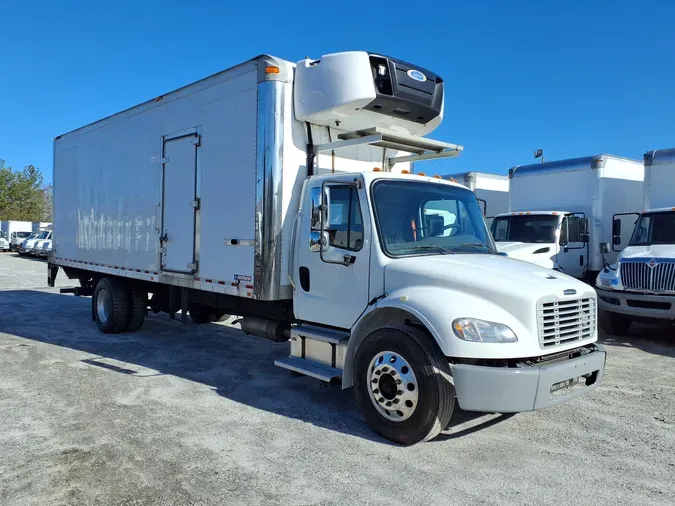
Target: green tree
x=21 y=194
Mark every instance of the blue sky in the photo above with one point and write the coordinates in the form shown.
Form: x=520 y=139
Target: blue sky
x=574 y=78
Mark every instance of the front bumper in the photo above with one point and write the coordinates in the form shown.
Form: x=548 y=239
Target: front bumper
x=638 y=305
x=513 y=390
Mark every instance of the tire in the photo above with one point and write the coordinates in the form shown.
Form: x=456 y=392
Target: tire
x=201 y=314
x=138 y=305
x=615 y=324
x=435 y=396
x=111 y=305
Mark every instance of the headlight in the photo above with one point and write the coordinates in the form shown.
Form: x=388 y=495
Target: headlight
x=480 y=331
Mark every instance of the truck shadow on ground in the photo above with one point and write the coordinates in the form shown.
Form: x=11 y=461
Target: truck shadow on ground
x=648 y=338
x=237 y=367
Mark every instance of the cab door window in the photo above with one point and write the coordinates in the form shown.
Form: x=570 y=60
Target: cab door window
x=345 y=229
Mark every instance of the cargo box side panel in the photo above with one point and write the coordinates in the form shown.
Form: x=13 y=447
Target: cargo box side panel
x=560 y=190
x=106 y=196
x=620 y=192
x=227 y=165
x=660 y=182
x=108 y=176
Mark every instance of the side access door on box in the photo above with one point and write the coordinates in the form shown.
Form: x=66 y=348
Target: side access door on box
x=179 y=203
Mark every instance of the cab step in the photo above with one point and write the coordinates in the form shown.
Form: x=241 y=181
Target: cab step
x=309 y=368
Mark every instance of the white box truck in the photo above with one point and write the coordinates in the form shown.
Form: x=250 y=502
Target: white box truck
x=562 y=211
x=15 y=232
x=281 y=193
x=640 y=286
x=492 y=191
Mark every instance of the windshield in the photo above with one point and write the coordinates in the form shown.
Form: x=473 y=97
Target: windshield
x=420 y=218
x=22 y=235
x=525 y=228
x=654 y=228
x=43 y=235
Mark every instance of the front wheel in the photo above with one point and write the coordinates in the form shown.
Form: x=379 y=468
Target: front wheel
x=403 y=385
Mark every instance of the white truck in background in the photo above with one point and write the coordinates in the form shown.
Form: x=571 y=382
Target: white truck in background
x=15 y=232
x=319 y=235
x=640 y=286
x=492 y=191
x=562 y=211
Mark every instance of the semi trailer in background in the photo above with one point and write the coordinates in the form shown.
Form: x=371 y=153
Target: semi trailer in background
x=492 y=191
x=640 y=286
x=282 y=193
x=561 y=211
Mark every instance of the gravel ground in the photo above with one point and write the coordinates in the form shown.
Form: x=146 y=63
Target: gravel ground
x=186 y=414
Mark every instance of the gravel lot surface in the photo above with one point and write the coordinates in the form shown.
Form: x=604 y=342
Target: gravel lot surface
x=187 y=414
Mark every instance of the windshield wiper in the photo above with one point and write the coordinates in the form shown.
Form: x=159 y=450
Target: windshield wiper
x=476 y=245
x=428 y=247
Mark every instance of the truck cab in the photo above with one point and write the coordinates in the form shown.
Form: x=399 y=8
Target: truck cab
x=555 y=240
x=640 y=285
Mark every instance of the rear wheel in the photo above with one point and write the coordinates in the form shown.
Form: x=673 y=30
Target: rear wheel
x=403 y=385
x=616 y=324
x=111 y=305
x=138 y=304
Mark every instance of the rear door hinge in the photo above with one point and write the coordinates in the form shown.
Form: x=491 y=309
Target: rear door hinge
x=195 y=203
x=163 y=160
x=193 y=266
x=197 y=140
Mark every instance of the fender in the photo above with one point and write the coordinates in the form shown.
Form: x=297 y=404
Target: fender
x=433 y=307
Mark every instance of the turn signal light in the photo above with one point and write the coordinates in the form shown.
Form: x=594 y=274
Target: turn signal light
x=421 y=174
x=405 y=171
x=271 y=70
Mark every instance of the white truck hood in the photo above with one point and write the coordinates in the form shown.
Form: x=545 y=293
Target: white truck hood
x=490 y=276
x=653 y=251
x=525 y=251
x=487 y=287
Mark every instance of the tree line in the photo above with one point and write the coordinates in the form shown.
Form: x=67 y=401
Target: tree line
x=23 y=195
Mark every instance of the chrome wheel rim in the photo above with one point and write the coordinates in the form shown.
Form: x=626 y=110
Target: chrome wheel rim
x=392 y=386
x=102 y=303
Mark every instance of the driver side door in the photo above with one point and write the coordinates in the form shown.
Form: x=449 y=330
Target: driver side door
x=332 y=270
x=572 y=255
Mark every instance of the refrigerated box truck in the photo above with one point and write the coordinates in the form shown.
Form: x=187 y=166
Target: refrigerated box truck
x=562 y=211
x=282 y=193
x=492 y=190
x=640 y=286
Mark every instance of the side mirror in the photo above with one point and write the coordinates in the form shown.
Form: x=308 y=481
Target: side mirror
x=616 y=232
x=604 y=247
x=318 y=241
x=320 y=211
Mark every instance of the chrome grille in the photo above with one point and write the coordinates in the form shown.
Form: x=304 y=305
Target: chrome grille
x=648 y=274
x=564 y=321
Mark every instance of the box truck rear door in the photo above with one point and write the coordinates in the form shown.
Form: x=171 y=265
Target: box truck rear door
x=179 y=203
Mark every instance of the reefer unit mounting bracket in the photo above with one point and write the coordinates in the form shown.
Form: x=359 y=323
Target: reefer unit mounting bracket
x=422 y=148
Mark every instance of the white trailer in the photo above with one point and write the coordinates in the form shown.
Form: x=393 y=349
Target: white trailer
x=640 y=286
x=15 y=232
x=562 y=211
x=492 y=190
x=281 y=193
